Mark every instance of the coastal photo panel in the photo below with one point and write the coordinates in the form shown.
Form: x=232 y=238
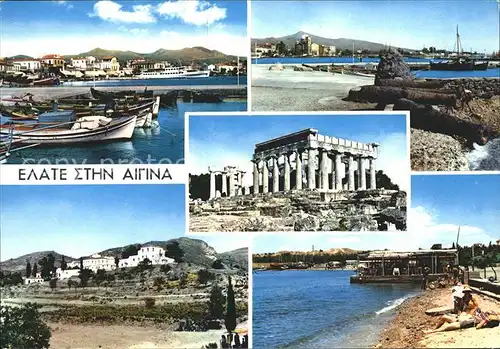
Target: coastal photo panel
x=109 y=266
x=109 y=81
x=297 y=171
x=440 y=62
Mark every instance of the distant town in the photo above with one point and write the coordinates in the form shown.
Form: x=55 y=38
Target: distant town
x=306 y=47
x=22 y=70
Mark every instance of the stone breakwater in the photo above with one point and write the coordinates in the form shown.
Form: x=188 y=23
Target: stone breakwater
x=309 y=210
x=480 y=87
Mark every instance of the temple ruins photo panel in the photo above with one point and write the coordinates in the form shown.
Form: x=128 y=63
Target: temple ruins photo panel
x=297 y=172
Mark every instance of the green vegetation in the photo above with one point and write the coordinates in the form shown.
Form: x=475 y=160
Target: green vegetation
x=145 y=264
x=149 y=302
x=23 y=327
x=165 y=268
x=35 y=270
x=216 y=303
x=10 y=279
x=175 y=251
x=205 y=276
x=64 y=265
x=53 y=284
x=28 y=269
x=130 y=250
x=85 y=275
x=217 y=264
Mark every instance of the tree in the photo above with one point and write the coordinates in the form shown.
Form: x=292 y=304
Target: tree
x=149 y=302
x=183 y=279
x=453 y=246
x=130 y=250
x=144 y=264
x=51 y=260
x=204 y=276
x=28 y=268
x=216 y=303
x=383 y=181
x=100 y=276
x=44 y=264
x=35 y=270
x=85 y=275
x=117 y=262
x=425 y=50
x=71 y=283
x=53 y=284
x=81 y=263
x=230 y=309
x=158 y=283
x=175 y=251
x=281 y=48
x=64 y=265
x=23 y=327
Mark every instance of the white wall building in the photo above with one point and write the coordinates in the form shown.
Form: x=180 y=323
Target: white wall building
x=96 y=262
x=74 y=264
x=37 y=280
x=27 y=64
x=66 y=274
x=154 y=253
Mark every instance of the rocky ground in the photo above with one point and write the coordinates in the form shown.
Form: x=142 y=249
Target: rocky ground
x=301 y=211
x=407 y=329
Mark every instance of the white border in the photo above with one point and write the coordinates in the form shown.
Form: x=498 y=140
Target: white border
x=249 y=65
x=292 y=114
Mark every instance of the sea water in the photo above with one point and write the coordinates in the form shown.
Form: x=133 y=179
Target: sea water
x=163 y=144
x=213 y=80
x=321 y=309
x=485 y=158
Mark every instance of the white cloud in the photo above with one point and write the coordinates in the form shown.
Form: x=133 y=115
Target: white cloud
x=134 y=31
x=167 y=33
x=112 y=11
x=192 y=12
x=74 y=44
x=63 y=3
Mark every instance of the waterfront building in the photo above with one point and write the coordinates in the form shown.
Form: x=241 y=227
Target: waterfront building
x=27 y=64
x=6 y=66
x=53 y=60
x=108 y=63
x=332 y=50
x=155 y=254
x=315 y=49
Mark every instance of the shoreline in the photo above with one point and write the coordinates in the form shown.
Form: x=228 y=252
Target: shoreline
x=405 y=330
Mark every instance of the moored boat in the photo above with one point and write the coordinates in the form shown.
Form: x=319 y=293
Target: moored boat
x=46 y=82
x=83 y=130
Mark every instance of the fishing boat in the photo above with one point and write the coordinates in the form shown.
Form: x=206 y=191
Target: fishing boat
x=100 y=95
x=83 y=130
x=459 y=63
x=8 y=146
x=52 y=81
x=144 y=119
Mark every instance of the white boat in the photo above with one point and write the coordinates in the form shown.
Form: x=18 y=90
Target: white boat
x=86 y=129
x=144 y=120
x=175 y=73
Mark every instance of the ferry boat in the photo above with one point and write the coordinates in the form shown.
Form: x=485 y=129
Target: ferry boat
x=175 y=73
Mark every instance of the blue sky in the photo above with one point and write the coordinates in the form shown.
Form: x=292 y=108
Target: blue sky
x=408 y=24
x=72 y=27
x=80 y=220
x=230 y=140
x=440 y=203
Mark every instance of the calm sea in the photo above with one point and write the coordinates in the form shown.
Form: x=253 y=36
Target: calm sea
x=320 y=309
x=164 y=144
x=490 y=73
x=214 y=80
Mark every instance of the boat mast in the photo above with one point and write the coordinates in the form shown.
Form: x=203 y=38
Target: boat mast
x=459 y=44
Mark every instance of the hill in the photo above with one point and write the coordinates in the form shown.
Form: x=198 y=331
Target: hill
x=19 y=263
x=340 y=43
x=236 y=257
x=197 y=54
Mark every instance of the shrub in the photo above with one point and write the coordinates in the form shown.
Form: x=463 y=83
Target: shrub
x=53 y=284
x=216 y=303
x=149 y=302
x=23 y=327
x=165 y=268
x=211 y=345
x=204 y=276
x=217 y=264
x=158 y=283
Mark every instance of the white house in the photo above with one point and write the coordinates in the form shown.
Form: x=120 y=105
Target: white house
x=27 y=63
x=32 y=280
x=72 y=265
x=154 y=253
x=161 y=65
x=66 y=274
x=96 y=262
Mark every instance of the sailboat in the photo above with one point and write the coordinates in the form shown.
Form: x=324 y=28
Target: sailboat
x=459 y=63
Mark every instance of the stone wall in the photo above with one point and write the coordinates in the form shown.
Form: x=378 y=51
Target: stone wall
x=480 y=87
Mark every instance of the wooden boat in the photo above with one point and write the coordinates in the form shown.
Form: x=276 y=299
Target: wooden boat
x=83 y=130
x=46 y=82
x=103 y=95
x=144 y=119
x=17 y=116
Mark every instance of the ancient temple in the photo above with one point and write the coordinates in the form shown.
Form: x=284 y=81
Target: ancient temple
x=304 y=160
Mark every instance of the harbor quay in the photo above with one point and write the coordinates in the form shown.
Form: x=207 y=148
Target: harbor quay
x=50 y=92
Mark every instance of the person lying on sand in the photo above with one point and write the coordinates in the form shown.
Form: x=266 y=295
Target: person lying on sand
x=486 y=319
x=466 y=313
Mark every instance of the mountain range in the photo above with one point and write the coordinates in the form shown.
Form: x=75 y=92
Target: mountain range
x=331 y=251
x=197 y=54
x=196 y=252
x=340 y=43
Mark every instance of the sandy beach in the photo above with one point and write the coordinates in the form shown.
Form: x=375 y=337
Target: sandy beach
x=290 y=90
x=407 y=328
x=65 y=336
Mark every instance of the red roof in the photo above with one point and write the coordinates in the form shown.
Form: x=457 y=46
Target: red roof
x=108 y=57
x=51 y=56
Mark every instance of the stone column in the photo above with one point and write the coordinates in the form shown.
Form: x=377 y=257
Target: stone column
x=265 y=177
x=373 y=181
x=350 y=164
x=311 y=169
x=232 y=183
x=298 y=170
x=361 y=174
x=276 y=175
x=286 y=179
x=255 y=176
x=324 y=170
x=212 y=184
x=338 y=177
x=224 y=184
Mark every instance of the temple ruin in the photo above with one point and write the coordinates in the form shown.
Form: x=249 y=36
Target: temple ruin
x=303 y=160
